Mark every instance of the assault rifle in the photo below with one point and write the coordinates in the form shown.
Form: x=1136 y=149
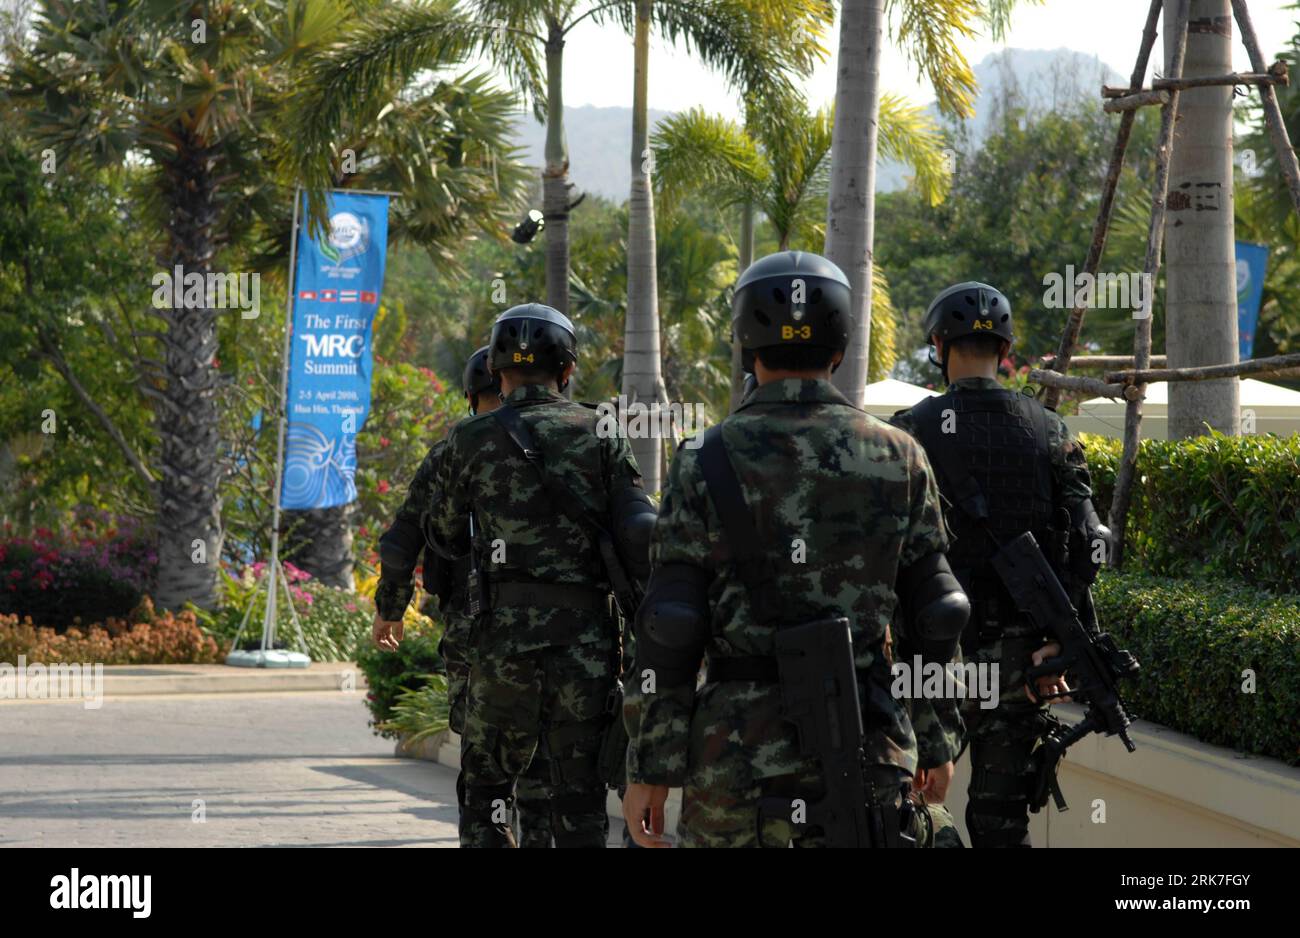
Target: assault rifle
x=1094 y=662
x=819 y=690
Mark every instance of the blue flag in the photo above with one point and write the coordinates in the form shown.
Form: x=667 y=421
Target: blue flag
x=1252 y=262
x=337 y=286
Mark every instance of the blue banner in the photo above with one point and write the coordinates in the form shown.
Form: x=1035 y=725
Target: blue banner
x=337 y=286
x=1252 y=261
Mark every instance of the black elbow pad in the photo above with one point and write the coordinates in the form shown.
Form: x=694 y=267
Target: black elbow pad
x=1089 y=542
x=634 y=517
x=672 y=624
x=936 y=606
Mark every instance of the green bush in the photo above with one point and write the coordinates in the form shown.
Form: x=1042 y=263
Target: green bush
x=419 y=713
x=1195 y=638
x=390 y=673
x=1212 y=506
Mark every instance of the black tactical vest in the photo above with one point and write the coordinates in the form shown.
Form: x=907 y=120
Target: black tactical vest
x=998 y=465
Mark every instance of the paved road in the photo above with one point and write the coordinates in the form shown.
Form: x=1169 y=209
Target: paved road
x=282 y=769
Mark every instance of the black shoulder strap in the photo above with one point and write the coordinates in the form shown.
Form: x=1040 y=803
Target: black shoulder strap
x=966 y=493
x=564 y=497
x=738 y=528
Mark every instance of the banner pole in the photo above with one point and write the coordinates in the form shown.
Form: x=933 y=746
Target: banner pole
x=268 y=625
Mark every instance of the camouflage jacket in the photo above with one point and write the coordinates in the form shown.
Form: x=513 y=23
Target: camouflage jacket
x=845 y=501
x=393 y=594
x=520 y=535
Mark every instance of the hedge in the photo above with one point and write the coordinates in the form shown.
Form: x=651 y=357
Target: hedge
x=1194 y=639
x=1209 y=507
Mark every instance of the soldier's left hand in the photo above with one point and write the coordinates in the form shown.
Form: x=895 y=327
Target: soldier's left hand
x=387 y=634
x=1048 y=685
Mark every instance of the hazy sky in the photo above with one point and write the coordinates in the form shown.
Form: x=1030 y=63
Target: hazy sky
x=598 y=60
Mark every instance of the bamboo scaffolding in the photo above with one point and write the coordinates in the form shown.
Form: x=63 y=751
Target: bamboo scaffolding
x=1123 y=494
x=1276 y=76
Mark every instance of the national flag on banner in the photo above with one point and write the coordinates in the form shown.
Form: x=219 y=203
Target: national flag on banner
x=330 y=363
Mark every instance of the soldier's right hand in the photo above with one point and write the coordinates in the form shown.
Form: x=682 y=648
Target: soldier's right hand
x=386 y=634
x=643 y=810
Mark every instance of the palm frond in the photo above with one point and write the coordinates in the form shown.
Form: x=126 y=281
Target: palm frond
x=929 y=32
x=696 y=152
x=910 y=135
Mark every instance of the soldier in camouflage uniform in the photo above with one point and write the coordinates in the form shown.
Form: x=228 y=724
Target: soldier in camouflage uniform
x=1007 y=465
x=400 y=548
x=849 y=515
x=546 y=641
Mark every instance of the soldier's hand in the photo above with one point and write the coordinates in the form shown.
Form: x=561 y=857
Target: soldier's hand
x=933 y=783
x=387 y=634
x=1048 y=684
x=643 y=809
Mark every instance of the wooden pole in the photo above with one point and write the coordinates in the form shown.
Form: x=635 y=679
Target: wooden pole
x=1075 y=323
x=1272 y=114
x=1278 y=76
x=1112 y=361
x=1205 y=372
x=1054 y=379
x=1123 y=494
x=1131 y=102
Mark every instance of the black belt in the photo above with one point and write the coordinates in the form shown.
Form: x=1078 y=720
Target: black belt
x=760 y=668
x=551 y=596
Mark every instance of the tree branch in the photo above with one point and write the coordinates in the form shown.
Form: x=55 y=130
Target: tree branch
x=51 y=351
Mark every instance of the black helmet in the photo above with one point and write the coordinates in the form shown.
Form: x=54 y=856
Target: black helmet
x=791 y=297
x=966 y=309
x=534 y=336
x=477 y=378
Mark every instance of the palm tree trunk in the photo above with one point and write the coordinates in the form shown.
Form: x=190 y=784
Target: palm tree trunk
x=1200 y=250
x=851 y=209
x=744 y=260
x=555 y=175
x=642 y=368
x=189 y=504
x=319 y=540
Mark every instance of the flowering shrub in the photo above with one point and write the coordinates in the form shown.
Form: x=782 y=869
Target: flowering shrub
x=146 y=638
x=333 y=621
x=97 y=568
x=411 y=409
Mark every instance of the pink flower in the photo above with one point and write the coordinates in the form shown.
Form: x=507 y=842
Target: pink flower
x=383 y=486
x=384 y=441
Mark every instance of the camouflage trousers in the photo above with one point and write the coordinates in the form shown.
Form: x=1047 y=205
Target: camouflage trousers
x=532 y=821
x=1002 y=742
x=551 y=704
x=713 y=816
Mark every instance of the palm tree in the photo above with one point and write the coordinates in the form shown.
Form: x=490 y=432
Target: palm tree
x=758 y=45
x=370 y=65
x=780 y=167
x=928 y=31
x=1200 y=278
x=199 y=111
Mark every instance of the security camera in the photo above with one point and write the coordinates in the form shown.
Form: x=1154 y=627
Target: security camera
x=527 y=229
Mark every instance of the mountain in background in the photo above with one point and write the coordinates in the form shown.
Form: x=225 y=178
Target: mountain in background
x=600 y=138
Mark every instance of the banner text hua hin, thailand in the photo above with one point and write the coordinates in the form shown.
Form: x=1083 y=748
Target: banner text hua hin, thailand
x=337 y=286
